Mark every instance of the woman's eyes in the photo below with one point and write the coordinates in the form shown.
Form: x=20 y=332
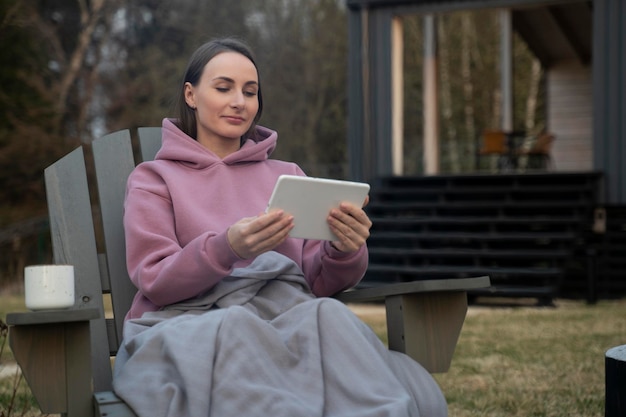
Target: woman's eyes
x=245 y=93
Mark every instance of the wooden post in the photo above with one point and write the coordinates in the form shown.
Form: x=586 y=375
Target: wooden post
x=431 y=113
x=615 y=368
x=506 y=68
x=426 y=326
x=397 y=97
x=53 y=350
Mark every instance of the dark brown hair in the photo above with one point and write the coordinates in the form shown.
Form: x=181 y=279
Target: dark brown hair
x=186 y=115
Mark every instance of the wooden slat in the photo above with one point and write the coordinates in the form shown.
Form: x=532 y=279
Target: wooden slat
x=114 y=343
x=482 y=237
x=74 y=243
x=149 y=141
x=104 y=273
x=109 y=404
x=113 y=157
x=44 y=370
x=460 y=270
x=55 y=359
x=412 y=252
x=77 y=353
x=51 y=316
x=544 y=292
x=435 y=285
x=426 y=326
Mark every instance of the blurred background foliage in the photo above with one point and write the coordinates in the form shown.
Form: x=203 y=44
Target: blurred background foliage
x=73 y=70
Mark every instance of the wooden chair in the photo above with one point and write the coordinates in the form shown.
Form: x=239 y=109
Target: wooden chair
x=66 y=355
x=494 y=143
x=539 y=153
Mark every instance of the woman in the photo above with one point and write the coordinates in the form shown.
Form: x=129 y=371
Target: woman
x=214 y=170
x=229 y=317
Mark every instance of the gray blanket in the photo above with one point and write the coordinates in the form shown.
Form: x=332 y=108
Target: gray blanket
x=260 y=344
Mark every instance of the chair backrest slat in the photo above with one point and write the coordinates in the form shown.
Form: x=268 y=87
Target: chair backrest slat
x=74 y=243
x=74 y=235
x=149 y=141
x=111 y=330
x=113 y=158
x=104 y=273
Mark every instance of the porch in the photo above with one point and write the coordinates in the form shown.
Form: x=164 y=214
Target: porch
x=537 y=235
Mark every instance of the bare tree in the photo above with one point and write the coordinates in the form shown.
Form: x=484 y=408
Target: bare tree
x=468 y=44
x=148 y=51
x=305 y=70
x=413 y=103
x=533 y=96
x=447 y=112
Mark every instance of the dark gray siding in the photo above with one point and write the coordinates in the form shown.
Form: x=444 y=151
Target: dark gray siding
x=609 y=95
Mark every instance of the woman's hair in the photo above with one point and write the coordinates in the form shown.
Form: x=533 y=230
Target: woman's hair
x=186 y=115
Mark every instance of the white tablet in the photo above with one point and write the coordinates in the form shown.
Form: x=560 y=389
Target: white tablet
x=309 y=200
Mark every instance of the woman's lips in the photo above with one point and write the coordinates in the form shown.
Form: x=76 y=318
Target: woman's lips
x=235 y=119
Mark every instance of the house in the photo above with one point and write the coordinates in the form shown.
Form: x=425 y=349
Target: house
x=580 y=43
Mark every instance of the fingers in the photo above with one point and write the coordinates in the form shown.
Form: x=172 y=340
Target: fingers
x=250 y=237
x=351 y=226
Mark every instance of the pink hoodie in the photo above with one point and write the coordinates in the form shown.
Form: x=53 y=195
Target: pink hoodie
x=178 y=209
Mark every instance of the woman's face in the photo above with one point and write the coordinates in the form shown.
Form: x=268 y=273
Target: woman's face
x=226 y=101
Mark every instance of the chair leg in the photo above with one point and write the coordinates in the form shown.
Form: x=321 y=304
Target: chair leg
x=56 y=362
x=426 y=326
x=539 y=162
x=549 y=162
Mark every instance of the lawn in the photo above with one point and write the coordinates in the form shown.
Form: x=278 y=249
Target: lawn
x=510 y=361
x=534 y=361
x=530 y=361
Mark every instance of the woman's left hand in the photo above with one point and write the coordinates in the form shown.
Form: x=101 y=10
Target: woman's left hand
x=351 y=225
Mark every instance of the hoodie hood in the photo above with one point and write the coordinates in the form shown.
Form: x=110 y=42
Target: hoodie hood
x=179 y=147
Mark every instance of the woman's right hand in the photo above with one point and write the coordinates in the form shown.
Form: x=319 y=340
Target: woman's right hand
x=252 y=236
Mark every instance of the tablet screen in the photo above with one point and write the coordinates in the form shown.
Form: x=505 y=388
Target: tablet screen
x=310 y=200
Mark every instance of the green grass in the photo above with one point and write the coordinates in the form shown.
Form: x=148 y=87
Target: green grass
x=531 y=361
x=17 y=401
x=534 y=361
x=514 y=362
x=8 y=304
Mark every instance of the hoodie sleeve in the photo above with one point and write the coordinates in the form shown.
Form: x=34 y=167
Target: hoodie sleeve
x=329 y=270
x=162 y=270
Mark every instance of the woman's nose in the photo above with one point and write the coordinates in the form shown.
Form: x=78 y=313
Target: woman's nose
x=238 y=101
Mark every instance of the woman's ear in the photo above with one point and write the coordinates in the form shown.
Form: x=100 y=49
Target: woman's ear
x=189 y=95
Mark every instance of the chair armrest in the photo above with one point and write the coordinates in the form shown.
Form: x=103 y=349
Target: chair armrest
x=363 y=295
x=424 y=318
x=51 y=317
x=54 y=352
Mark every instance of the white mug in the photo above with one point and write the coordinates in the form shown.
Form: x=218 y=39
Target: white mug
x=49 y=286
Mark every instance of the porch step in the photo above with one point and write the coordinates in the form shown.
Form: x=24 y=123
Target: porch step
x=526 y=231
